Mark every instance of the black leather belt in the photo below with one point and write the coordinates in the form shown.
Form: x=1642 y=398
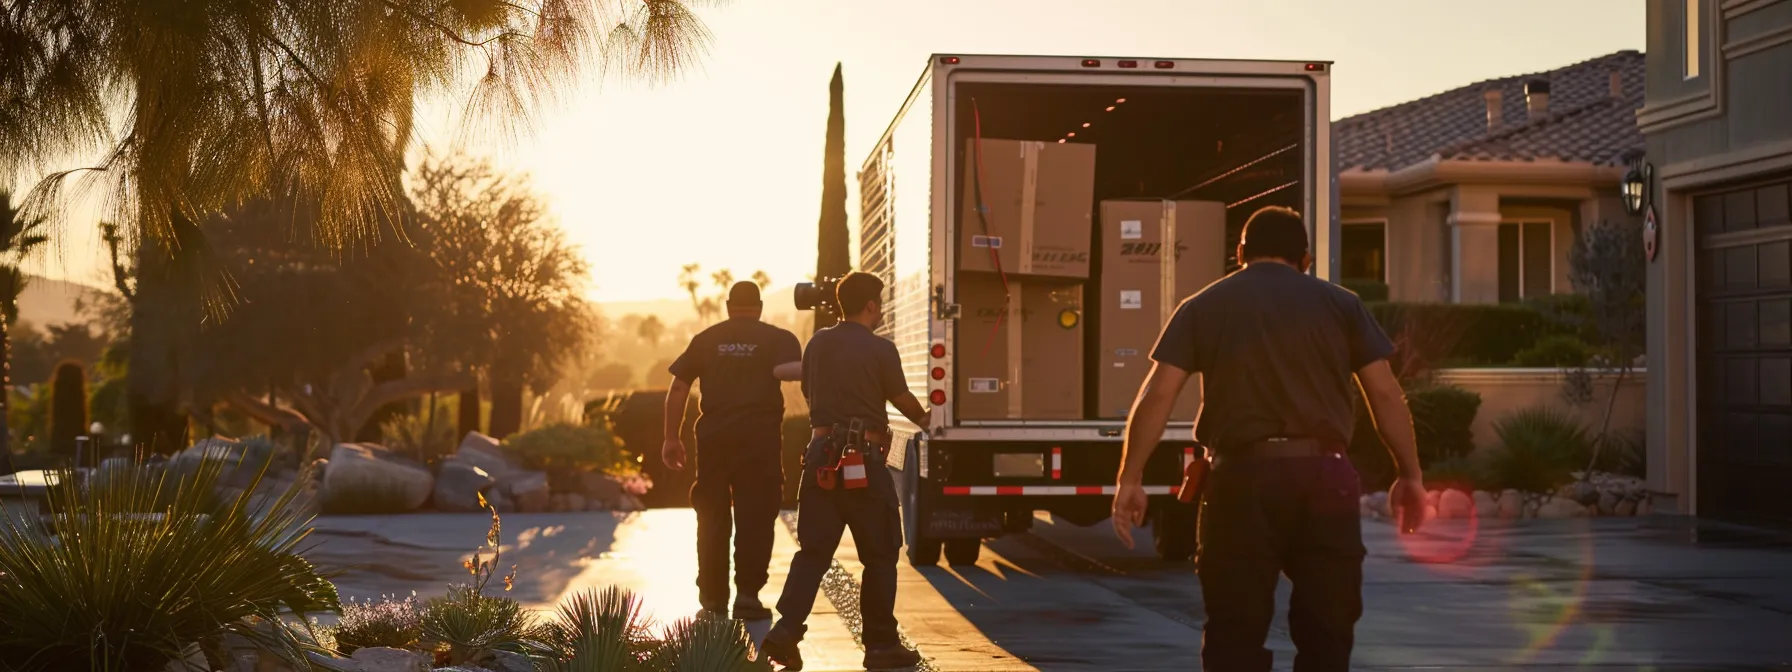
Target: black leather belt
x=1280 y=448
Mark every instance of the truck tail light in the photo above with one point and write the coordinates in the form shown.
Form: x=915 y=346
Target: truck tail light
x=1164 y=65
x=1091 y=63
x=1129 y=64
x=938 y=351
x=938 y=397
x=1315 y=67
x=949 y=60
x=939 y=373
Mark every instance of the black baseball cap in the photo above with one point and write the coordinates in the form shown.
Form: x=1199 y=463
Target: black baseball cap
x=744 y=295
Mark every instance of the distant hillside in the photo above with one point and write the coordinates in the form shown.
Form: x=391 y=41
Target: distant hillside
x=46 y=302
x=779 y=306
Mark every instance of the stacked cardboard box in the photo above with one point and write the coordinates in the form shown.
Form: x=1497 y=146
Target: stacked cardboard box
x=1020 y=349
x=1038 y=198
x=1142 y=283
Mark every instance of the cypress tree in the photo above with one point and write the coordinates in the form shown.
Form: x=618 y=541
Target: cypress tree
x=68 y=407
x=833 y=242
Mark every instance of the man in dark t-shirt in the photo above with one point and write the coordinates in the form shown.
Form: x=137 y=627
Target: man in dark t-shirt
x=739 y=479
x=1277 y=351
x=849 y=373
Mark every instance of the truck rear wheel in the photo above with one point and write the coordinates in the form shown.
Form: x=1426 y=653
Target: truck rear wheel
x=963 y=551
x=922 y=552
x=1174 y=530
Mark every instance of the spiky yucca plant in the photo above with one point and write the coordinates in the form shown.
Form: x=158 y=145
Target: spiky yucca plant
x=127 y=574
x=705 y=644
x=598 y=631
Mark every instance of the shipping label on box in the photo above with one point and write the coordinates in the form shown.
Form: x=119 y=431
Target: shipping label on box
x=1155 y=254
x=1020 y=351
x=1037 y=199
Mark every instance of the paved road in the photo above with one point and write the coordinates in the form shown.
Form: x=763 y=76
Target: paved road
x=1604 y=594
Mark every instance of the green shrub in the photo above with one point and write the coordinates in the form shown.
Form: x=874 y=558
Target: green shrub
x=1463 y=473
x=129 y=572
x=1623 y=453
x=1559 y=351
x=638 y=419
x=68 y=409
x=1538 y=450
x=424 y=436
x=1463 y=334
x=364 y=497
x=1443 y=419
x=390 y=623
x=1369 y=292
x=565 y=447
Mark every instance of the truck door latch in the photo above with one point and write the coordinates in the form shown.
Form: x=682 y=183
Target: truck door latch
x=941 y=309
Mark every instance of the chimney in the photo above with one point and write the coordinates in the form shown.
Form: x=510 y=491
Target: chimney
x=1493 y=108
x=1617 y=84
x=1536 y=98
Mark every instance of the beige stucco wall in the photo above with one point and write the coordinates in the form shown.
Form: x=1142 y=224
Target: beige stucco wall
x=1507 y=391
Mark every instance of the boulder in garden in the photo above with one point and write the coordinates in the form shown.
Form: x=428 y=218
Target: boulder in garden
x=528 y=490
x=1562 y=507
x=360 y=468
x=458 y=486
x=1486 y=505
x=1511 y=505
x=599 y=487
x=484 y=452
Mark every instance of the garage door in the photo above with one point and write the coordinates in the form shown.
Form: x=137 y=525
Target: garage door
x=1745 y=351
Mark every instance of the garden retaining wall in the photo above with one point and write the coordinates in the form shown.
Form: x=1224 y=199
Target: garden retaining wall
x=1506 y=391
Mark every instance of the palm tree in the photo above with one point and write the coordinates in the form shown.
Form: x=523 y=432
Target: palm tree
x=19 y=235
x=195 y=107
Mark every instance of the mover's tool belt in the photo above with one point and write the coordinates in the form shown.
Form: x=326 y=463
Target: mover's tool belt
x=1280 y=448
x=843 y=460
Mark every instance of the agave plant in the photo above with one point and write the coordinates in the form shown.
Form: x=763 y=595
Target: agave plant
x=705 y=644
x=130 y=573
x=597 y=631
x=470 y=624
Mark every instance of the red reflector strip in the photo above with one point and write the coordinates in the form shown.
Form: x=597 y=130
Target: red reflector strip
x=1056 y=490
x=1188 y=456
x=1057 y=462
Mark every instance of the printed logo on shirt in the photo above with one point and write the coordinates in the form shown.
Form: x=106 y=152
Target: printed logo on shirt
x=736 y=349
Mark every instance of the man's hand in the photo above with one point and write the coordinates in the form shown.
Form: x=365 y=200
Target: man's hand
x=672 y=453
x=1129 y=510
x=1407 y=501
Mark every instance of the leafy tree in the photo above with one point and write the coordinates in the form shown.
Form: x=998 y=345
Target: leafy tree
x=194 y=108
x=515 y=308
x=1608 y=266
x=651 y=330
x=833 y=253
x=20 y=233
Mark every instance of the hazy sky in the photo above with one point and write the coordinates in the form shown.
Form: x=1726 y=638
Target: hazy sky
x=724 y=167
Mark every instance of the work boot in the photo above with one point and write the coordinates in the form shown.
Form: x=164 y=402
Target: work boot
x=714 y=609
x=891 y=657
x=748 y=608
x=781 y=648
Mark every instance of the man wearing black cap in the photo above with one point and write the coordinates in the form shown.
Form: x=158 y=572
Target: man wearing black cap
x=1276 y=350
x=739 y=478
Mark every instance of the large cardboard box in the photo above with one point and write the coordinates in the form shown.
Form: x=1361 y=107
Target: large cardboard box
x=1039 y=197
x=1021 y=358
x=1141 y=286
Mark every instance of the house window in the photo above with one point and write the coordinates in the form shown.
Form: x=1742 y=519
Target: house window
x=1691 y=51
x=1363 y=253
x=1527 y=260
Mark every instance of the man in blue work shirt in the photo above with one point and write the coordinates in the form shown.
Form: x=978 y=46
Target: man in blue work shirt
x=849 y=373
x=1276 y=350
x=739 y=478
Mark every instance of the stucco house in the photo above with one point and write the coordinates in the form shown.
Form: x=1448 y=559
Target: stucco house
x=1718 y=118
x=1475 y=195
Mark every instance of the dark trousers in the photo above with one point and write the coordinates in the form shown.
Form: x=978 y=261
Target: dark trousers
x=737 y=492
x=1262 y=518
x=876 y=523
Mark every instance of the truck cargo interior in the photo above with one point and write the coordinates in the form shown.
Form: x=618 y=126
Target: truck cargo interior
x=1238 y=146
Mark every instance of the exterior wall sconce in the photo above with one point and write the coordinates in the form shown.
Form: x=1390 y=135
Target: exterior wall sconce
x=1636 y=187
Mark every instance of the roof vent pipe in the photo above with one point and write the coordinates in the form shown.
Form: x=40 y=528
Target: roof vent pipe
x=1493 y=108
x=1536 y=99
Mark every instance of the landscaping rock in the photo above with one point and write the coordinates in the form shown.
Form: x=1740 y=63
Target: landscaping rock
x=575 y=502
x=1583 y=493
x=504 y=661
x=366 y=467
x=381 y=659
x=459 y=484
x=484 y=452
x=599 y=487
x=1378 y=502
x=1455 y=504
x=500 y=501
x=1432 y=496
x=1644 y=505
x=630 y=503
x=1487 y=505
x=1511 y=505
x=1608 y=503
x=1626 y=508
x=1562 y=507
x=528 y=490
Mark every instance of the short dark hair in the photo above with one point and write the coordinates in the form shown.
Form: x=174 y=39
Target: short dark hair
x=856 y=290
x=744 y=295
x=1275 y=232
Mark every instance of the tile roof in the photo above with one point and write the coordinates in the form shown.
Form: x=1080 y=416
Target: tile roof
x=1585 y=123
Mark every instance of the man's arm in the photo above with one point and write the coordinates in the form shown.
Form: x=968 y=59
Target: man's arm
x=672 y=450
x=911 y=408
x=790 y=358
x=1145 y=425
x=1387 y=408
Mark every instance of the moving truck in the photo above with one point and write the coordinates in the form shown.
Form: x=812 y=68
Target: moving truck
x=1036 y=219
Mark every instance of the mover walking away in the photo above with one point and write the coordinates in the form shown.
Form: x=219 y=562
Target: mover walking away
x=1035 y=218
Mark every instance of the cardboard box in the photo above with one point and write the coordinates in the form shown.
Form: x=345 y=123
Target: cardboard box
x=1039 y=197
x=1022 y=359
x=1141 y=287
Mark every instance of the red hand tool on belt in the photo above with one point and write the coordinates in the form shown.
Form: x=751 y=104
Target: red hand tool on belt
x=1194 y=477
